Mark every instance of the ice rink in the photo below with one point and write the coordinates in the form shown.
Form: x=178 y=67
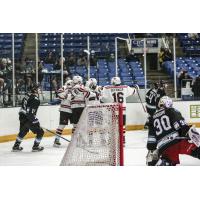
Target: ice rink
x=134 y=153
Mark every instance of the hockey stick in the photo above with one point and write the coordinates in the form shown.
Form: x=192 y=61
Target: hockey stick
x=140 y=99
x=68 y=140
x=56 y=134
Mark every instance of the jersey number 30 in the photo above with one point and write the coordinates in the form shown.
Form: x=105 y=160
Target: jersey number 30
x=162 y=124
x=118 y=97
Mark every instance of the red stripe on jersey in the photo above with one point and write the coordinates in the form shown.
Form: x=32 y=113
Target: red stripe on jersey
x=81 y=90
x=87 y=94
x=65 y=106
x=116 y=86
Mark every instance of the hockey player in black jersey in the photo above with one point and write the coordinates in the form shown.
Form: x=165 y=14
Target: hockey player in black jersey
x=28 y=120
x=150 y=98
x=169 y=136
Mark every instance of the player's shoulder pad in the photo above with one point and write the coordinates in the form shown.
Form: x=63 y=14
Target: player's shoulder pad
x=172 y=111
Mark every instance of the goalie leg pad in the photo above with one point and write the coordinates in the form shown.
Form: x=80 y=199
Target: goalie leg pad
x=152 y=158
x=194 y=136
x=164 y=162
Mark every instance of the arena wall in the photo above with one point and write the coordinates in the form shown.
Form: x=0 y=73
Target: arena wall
x=49 y=116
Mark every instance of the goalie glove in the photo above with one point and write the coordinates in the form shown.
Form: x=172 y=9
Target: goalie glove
x=152 y=157
x=194 y=136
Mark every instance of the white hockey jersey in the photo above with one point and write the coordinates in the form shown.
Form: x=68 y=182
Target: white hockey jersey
x=94 y=96
x=117 y=94
x=79 y=95
x=65 y=96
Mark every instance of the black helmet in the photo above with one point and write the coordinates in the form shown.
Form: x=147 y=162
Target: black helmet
x=34 y=87
x=155 y=85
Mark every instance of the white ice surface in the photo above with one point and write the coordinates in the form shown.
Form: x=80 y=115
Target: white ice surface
x=134 y=153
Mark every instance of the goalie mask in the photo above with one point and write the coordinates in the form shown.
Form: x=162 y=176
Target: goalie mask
x=115 y=81
x=165 y=102
x=77 y=80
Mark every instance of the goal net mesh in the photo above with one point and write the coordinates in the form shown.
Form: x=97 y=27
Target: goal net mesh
x=98 y=138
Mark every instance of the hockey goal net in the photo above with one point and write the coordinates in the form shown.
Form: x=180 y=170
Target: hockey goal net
x=98 y=138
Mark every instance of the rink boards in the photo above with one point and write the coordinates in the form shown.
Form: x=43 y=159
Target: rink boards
x=49 y=118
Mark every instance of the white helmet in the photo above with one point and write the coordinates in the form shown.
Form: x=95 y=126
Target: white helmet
x=77 y=80
x=69 y=84
x=115 y=81
x=92 y=82
x=165 y=102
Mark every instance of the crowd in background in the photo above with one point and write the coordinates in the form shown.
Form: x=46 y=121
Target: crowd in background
x=25 y=71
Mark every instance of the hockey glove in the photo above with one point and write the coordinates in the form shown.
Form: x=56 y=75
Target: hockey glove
x=36 y=122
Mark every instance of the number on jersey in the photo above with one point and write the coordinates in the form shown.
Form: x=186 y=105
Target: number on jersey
x=118 y=97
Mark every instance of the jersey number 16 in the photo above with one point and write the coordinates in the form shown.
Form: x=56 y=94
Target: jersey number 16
x=118 y=97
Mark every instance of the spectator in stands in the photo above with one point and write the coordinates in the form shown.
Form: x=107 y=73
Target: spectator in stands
x=131 y=56
x=55 y=83
x=29 y=64
x=182 y=77
x=193 y=36
x=93 y=59
x=111 y=57
x=6 y=79
x=71 y=61
x=183 y=74
x=196 y=88
x=161 y=57
x=167 y=55
x=82 y=61
x=50 y=59
x=58 y=64
x=28 y=71
x=1 y=84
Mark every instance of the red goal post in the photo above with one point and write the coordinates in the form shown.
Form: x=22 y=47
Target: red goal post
x=98 y=138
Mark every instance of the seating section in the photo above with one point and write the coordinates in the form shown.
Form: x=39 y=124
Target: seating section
x=190 y=64
x=130 y=73
x=101 y=43
x=190 y=46
x=6 y=45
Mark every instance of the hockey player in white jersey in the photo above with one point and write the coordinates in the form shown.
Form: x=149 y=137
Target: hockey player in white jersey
x=95 y=91
x=94 y=99
x=78 y=100
x=117 y=93
x=64 y=94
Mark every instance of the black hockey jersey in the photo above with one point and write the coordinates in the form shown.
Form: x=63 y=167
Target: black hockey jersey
x=151 y=97
x=30 y=104
x=165 y=129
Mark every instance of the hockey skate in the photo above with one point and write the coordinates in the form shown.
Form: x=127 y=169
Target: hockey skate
x=37 y=148
x=17 y=148
x=57 y=143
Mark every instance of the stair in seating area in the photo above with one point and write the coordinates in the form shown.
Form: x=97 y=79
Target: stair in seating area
x=29 y=46
x=154 y=76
